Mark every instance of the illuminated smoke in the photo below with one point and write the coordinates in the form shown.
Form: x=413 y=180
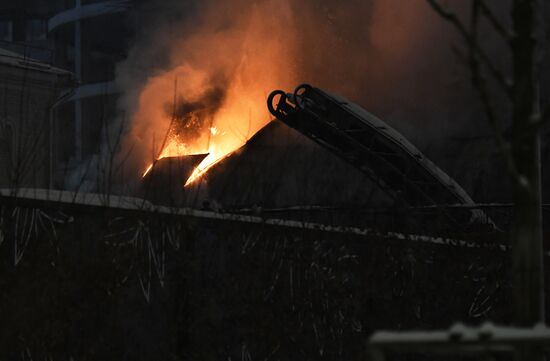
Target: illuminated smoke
x=210 y=64
x=218 y=78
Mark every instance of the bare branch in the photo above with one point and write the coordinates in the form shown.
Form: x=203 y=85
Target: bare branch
x=479 y=83
x=493 y=20
x=483 y=57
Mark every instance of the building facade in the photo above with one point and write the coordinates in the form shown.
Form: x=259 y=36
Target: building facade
x=28 y=90
x=87 y=38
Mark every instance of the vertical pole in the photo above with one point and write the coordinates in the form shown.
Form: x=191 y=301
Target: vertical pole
x=51 y=121
x=527 y=243
x=78 y=74
x=527 y=232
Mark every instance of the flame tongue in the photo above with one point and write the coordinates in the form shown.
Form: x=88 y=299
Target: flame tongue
x=200 y=170
x=203 y=167
x=179 y=168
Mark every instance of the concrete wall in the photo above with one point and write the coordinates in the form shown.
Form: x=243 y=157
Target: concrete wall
x=98 y=283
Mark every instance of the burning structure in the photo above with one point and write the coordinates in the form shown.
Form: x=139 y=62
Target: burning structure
x=212 y=98
x=250 y=238
x=212 y=84
x=393 y=166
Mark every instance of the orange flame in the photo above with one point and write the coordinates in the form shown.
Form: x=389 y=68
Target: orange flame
x=147 y=170
x=247 y=60
x=201 y=169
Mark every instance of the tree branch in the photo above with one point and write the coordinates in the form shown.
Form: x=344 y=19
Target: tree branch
x=499 y=28
x=479 y=83
x=472 y=43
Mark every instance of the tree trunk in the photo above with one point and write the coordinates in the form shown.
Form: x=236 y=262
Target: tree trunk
x=527 y=246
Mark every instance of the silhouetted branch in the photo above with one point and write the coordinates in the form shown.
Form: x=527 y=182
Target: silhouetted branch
x=480 y=84
x=476 y=60
x=497 y=25
x=471 y=41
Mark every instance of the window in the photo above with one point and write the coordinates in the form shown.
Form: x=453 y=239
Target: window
x=6 y=30
x=36 y=29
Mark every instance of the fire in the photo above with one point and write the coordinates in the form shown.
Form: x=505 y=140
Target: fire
x=202 y=168
x=228 y=134
x=211 y=99
x=223 y=61
x=147 y=170
x=174 y=149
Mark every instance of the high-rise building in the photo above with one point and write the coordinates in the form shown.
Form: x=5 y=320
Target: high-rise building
x=87 y=38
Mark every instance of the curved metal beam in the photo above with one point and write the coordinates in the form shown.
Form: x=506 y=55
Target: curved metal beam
x=91 y=90
x=88 y=11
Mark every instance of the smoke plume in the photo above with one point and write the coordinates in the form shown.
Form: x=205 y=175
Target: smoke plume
x=198 y=76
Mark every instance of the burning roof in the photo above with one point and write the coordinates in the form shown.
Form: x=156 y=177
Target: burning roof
x=163 y=182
